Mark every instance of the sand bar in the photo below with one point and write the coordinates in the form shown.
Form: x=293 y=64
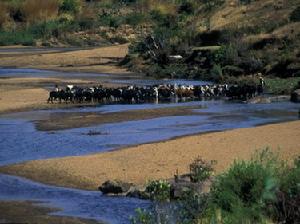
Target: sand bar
x=160 y=160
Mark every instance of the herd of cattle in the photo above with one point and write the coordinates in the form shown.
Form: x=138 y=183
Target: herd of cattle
x=135 y=94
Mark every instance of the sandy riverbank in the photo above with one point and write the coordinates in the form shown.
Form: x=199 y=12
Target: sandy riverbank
x=28 y=212
x=161 y=160
x=18 y=94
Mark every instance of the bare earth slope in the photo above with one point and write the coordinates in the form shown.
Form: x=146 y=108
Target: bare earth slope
x=160 y=160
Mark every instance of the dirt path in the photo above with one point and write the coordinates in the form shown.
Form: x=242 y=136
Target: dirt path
x=161 y=160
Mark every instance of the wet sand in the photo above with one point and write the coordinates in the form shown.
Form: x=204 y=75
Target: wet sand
x=61 y=121
x=28 y=212
x=161 y=160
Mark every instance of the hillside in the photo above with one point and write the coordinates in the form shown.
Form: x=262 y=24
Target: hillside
x=220 y=40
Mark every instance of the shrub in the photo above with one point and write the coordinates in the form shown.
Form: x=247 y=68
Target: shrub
x=186 y=7
x=71 y=6
x=232 y=70
x=142 y=216
x=201 y=170
x=295 y=15
x=46 y=29
x=110 y=20
x=211 y=4
x=159 y=190
x=18 y=37
x=134 y=19
x=286 y=208
x=242 y=193
x=216 y=73
x=191 y=207
x=226 y=55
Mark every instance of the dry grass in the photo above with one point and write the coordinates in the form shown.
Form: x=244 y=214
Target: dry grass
x=40 y=10
x=259 y=13
x=3 y=13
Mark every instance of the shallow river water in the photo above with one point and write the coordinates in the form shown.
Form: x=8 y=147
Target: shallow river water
x=20 y=141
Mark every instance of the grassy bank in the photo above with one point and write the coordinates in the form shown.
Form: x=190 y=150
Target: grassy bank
x=264 y=189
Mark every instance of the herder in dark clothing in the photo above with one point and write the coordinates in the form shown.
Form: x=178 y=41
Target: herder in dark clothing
x=260 y=88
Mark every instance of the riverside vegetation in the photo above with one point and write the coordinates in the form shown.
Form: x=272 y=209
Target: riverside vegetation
x=221 y=40
x=262 y=190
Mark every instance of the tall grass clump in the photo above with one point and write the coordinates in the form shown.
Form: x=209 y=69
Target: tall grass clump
x=39 y=10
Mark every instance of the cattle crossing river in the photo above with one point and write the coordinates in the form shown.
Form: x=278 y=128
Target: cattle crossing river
x=209 y=115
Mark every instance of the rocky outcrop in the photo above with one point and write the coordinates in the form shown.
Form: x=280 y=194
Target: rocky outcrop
x=295 y=96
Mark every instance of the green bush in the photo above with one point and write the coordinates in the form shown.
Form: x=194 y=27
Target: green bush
x=135 y=19
x=191 y=207
x=17 y=37
x=159 y=190
x=71 y=6
x=242 y=193
x=295 y=15
x=216 y=73
x=226 y=55
x=286 y=208
x=110 y=20
x=200 y=170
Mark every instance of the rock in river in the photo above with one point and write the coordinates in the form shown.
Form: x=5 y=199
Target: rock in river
x=115 y=187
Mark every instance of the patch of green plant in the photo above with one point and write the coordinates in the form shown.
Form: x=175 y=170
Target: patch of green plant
x=280 y=85
x=70 y=6
x=142 y=216
x=201 y=170
x=295 y=15
x=243 y=192
x=134 y=19
x=110 y=20
x=191 y=207
x=159 y=190
x=18 y=37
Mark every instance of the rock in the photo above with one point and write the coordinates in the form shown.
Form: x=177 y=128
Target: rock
x=295 y=96
x=115 y=187
x=182 y=183
x=136 y=192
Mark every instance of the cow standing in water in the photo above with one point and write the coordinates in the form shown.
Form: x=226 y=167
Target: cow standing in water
x=54 y=95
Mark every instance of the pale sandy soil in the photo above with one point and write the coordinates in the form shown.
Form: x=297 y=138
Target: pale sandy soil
x=12 y=100
x=19 y=94
x=100 y=60
x=161 y=160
